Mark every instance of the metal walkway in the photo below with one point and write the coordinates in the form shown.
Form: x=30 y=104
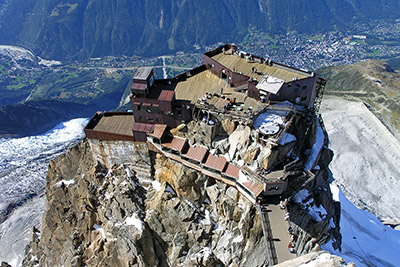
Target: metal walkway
x=276 y=235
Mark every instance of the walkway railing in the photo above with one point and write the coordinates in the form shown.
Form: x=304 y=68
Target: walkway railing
x=266 y=226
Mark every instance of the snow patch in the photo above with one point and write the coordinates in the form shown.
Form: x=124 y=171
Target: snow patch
x=101 y=230
x=170 y=189
x=238 y=239
x=108 y=195
x=324 y=258
x=48 y=63
x=318 y=213
x=242 y=177
x=156 y=185
x=65 y=182
x=332 y=225
x=135 y=221
x=301 y=196
x=316 y=148
x=129 y=172
x=207 y=219
x=269 y=122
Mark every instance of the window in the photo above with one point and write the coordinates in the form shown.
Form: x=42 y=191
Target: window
x=138 y=107
x=179 y=112
x=158 y=120
x=304 y=98
x=304 y=87
x=289 y=85
x=150 y=119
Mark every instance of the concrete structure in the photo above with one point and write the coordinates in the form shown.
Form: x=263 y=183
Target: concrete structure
x=229 y=81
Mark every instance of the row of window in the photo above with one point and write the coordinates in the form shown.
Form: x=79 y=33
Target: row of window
x=304 y=87
x=149 y=119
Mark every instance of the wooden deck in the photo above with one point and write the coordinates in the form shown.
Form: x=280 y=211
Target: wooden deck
x=245 y=67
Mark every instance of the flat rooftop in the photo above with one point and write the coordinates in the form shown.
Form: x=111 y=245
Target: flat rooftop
x=142 y=73
x=198 y=85
x=116 y=124
x=245 y=67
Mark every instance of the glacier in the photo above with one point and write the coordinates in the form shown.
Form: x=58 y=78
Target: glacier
x=23 y=162
x=23 y=167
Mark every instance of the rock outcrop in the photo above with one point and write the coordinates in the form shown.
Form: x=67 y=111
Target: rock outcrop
x=317 y=259
x=115 y=203
x=102 y=216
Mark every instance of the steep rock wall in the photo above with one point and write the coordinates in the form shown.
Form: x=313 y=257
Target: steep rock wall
x=98 y=213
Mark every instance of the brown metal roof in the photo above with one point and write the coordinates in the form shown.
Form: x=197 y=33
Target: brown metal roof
x=242 y=65
x=176 y=143
x=142 y=73
x=115 y=123
x=232 y=171
x=143 y=127
x=216 y=163
x=166 y=95
x=159 y=130
x=253 y=187
x=196 y=153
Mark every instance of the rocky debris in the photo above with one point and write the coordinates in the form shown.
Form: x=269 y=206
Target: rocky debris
x=239 y=139
x=314 y=216
x=93 y=214
x=212 y=225
x=221 y=144
x=180 y=130
x=251 y=154
x=317 y=259
x=229 y=125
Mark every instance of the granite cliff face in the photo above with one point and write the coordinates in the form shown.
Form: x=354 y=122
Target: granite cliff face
x=104 y=216
x=114 y=203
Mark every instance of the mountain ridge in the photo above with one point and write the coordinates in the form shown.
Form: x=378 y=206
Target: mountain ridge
x=86 y=28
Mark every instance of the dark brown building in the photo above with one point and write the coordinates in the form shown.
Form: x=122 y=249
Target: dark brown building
x=227 y=73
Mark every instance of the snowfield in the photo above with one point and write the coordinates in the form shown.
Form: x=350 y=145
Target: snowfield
x=365 y=240
x=367 y=158
x=365 y=167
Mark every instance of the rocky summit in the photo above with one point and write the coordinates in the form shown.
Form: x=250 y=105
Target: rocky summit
x=107 y=207
x=233 y=177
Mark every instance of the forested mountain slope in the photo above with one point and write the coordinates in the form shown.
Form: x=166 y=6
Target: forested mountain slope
x=91 y=28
